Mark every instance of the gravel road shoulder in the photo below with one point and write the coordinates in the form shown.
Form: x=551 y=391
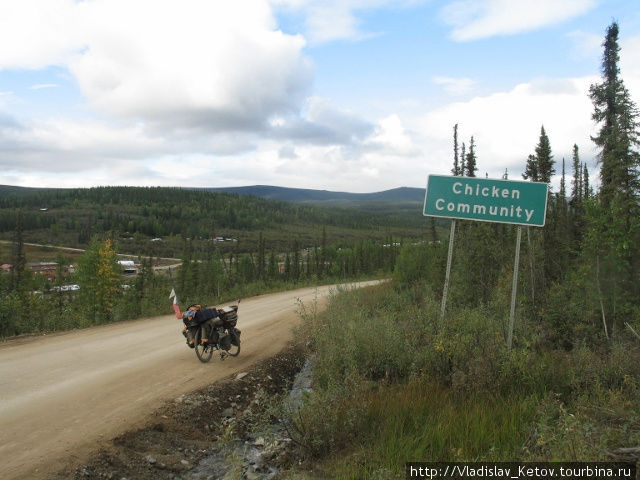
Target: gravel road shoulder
x=176 y=437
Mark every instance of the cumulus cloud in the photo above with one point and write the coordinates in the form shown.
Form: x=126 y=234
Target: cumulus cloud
x=320 y=122
x=391 y=137
x=512 y=132
x=287 y=151
x=219 y=64
x=201 y=92
x=475 y=19
x=67 y=146
x=188 y=64
x=38 y=33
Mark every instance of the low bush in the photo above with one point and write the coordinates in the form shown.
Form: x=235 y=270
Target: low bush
x=390 y=388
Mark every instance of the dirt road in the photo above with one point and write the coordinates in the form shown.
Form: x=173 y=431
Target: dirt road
x=63 y=395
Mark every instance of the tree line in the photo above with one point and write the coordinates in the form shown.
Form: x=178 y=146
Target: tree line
x=32 y=303
x=163 y=211
x=581 y=272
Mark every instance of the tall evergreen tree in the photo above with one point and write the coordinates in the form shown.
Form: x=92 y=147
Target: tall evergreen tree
x=586 y=189
x=614 y=229
x=273 y=270
x=618 y=137
x=563 y=184
x=262 y=258
x=471 y=159
x=18 y=257
x=531 y=169
x=456 y=166
x=577 y=182
x=544 y=158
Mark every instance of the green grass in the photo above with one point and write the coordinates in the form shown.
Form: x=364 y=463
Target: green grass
x=420 y=422
x=390 y=389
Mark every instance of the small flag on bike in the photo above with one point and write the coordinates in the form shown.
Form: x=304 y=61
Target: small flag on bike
x=176 y=307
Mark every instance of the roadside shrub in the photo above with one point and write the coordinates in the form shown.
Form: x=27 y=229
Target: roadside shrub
x=418 y=264
x=10 y=311
x=332 y=417
x=570 y=314
x=390 y=386
x=360 y=334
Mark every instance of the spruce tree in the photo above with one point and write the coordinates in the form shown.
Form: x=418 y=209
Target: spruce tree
x=471 y=159
x=577 y=182
x=586 y=189
x=544 y=158
x=18 y=258
x=456 y=166
x=531 y=169
x=614 y=227
x=563 y=187
x=618 y=137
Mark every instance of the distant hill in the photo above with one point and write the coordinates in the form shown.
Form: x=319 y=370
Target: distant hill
x=402 y=195
x=71 y=217
x=11 y=190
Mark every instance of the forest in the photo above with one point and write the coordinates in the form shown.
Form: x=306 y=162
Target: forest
x=212 y=268
x=71 y=217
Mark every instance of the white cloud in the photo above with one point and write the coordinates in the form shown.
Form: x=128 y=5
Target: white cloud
x=630 y=65
x=320 y=122
x=390 y=137
x=192 y=63
x=38 y=33
x=586 y=45
x=40 y=86
x=506 y=126
x=287 y=151
x=475 y=19
x=212 y=93
x=455 y=86
x=330 y=20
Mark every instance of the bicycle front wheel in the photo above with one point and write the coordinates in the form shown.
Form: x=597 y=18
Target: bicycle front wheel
x=203 y=352
x=234 y=351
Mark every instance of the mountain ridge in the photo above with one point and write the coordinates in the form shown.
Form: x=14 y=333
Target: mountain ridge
x=398 y=195
x=304 y=195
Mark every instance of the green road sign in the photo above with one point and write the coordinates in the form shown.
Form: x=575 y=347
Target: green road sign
x=486 y=200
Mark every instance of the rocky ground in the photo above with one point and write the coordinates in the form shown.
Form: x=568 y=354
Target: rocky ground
x=231 y=429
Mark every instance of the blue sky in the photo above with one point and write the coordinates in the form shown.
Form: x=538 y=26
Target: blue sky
x=352 y=95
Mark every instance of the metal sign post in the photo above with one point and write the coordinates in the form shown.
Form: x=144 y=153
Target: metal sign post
x=514 y=289
x=446 y=278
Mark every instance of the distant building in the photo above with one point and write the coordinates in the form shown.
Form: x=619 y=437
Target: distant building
x=48 y=269
x=128 y=266
x=65 y=288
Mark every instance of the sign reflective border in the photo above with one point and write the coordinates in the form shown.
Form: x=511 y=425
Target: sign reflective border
x=486 y=200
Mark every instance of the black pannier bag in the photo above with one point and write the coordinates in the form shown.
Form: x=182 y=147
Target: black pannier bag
x=225 y=342
x=229 y=316
x=235 y=339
